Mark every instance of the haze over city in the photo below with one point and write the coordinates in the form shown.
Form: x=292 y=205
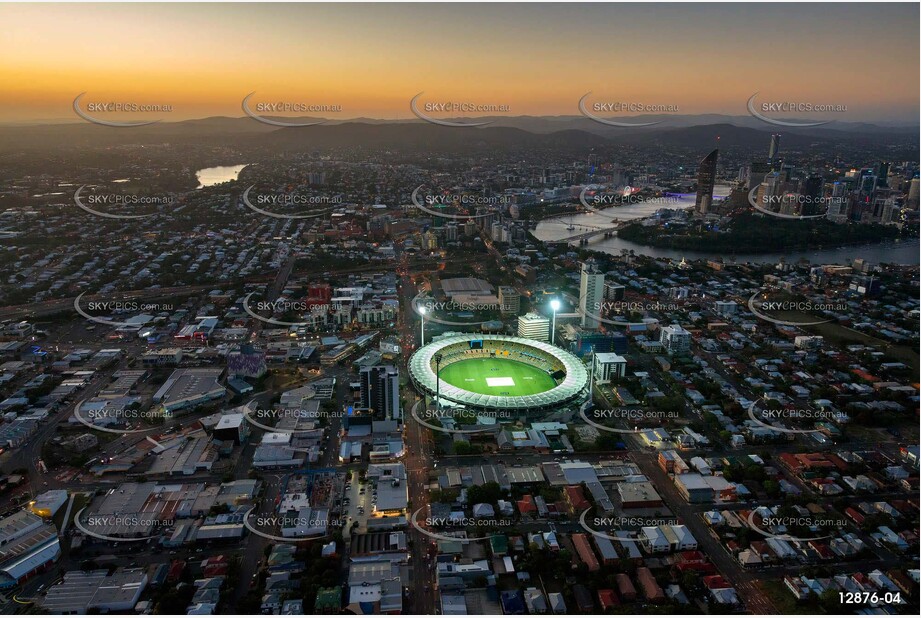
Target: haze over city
x=370 y=59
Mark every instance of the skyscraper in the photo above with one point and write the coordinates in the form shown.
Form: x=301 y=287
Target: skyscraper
x=706 y=179
x=813 y=191
x=757 y=172
x=883 y=174
x=775 y=147
x=591 y=293
x=912 y=201
x=380 y=390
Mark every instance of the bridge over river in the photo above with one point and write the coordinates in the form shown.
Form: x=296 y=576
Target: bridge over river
x=584 y=231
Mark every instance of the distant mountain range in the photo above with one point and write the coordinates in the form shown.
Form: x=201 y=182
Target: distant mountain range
x=561 y=132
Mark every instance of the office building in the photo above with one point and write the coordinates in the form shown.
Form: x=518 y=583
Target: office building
x=882 y=173
x=380 y=391
x=913 y=193
x=675 y=339
x=706 y=180
x=509 y=300
x=757 y=171
x=775 y=147
x=609 y=366
x=614 y=291
x=591 y=294
x=534 y=326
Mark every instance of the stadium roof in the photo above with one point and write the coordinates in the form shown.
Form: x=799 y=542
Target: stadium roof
x=568 y=391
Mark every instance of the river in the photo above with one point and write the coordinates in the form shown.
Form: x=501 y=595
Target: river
x=900 y=252
x=210 y=176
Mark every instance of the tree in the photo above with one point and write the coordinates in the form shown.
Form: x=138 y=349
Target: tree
x=489 y=492
x=831 y=602
x=772 y=488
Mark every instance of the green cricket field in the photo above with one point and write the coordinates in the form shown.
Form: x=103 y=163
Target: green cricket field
x=497 y=376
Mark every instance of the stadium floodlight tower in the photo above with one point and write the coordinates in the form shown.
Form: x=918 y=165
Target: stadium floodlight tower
x=591 y=375
x=422 y=327
x=555 y=305
x=437 y=358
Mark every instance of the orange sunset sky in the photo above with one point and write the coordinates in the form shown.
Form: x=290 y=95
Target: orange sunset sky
x=538 y=59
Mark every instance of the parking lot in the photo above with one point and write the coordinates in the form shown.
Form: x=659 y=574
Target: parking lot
x=357 y=503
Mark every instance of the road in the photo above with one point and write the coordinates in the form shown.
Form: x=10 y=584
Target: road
x=419 y=463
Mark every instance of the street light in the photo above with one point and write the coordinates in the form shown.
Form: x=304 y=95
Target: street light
x=422 y=327
x=555 y=305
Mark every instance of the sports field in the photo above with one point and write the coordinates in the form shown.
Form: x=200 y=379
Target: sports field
x=497 y=376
